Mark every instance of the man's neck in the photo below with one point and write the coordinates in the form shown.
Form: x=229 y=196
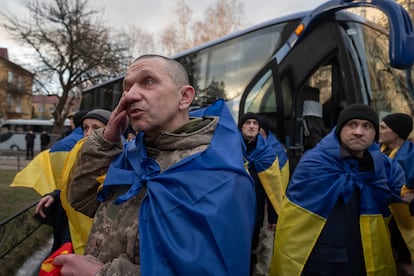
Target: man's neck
x=395 y=143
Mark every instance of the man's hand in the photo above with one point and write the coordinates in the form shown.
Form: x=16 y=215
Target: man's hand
x=74 y=265
x=118 y=122
x=45 y=202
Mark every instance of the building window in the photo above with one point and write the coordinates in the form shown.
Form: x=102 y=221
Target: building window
x=10 y=77
x=9 y=102
x=19 y=105
x=20 y=83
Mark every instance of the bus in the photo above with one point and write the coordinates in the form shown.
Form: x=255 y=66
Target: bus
x=13 y=132
x=301 y=70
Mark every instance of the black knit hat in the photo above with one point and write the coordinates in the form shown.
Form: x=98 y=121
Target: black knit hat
x=265 y=123
x=77 y=117
x=98 y=114
x=400 y=123
x=248 y=116
x=357 y=111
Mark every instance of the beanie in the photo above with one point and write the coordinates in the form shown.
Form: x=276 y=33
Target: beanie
x=357 y=111
x=400 y=123
x=248 y=116
x=77 y=117
x=265 y=123
x=98 y=114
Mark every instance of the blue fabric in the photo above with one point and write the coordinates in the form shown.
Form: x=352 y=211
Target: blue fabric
x=262 y=157
x=280 y=149
x=67 y=143
x=405 y=157
x=322 y=171
x=197 y=217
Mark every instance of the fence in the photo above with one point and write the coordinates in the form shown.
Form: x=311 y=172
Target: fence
x=16 y=229
x=12 y=160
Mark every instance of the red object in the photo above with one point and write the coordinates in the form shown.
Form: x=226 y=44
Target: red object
x=48 y=268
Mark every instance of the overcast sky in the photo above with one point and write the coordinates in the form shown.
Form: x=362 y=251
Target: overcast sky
x=155 y=15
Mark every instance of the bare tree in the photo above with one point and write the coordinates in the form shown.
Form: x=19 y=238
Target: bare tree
x=71 y=44
x=221 y=19
x=224 y=17
x=137 y=41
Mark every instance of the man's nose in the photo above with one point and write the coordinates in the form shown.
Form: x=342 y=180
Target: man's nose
x=359 y=130
x=134 y=91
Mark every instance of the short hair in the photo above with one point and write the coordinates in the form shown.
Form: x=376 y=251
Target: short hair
x=176 y=70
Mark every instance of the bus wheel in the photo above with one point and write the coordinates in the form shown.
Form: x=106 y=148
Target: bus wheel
x=14 y=148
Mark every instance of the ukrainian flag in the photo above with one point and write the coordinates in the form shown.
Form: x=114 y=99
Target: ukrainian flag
x=198 y=215
x=79 y=224
x=38 y=175
x=43 y=173
x=320 y=178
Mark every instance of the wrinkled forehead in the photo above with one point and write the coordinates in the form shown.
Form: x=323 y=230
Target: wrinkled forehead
x=146 y=63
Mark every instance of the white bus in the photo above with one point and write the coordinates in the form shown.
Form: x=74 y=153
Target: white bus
x=13 y=132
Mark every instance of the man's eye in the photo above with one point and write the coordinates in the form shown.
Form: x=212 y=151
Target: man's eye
x=149 y=81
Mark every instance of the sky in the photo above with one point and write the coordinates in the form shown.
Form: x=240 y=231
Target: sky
x=155 y=15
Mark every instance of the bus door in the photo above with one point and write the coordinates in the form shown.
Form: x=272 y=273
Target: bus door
x=334 y=59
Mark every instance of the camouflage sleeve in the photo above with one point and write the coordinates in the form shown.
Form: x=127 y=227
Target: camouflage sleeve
x=120 y=266
x=93 y=161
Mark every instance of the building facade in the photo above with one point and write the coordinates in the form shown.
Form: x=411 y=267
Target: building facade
x=15 y=89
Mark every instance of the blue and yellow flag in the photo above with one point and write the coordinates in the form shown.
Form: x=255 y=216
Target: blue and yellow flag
x=38 y=175
x=319 y=180
x=60 y=150
x=43 y=173
x=79 y=224
x=198 y=215
x=265 y=160
x=404 y=155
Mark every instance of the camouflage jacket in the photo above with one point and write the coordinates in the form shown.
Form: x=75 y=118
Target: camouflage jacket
x=114 y=237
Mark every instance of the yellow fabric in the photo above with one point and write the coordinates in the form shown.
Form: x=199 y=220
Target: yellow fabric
x=79 y=224
x=401 y=213
x=57 y=159
x=272 y=184
x=379 y=260
x=392 y=153
x=284 y=176
x=38 y=175
x=296 y=234
x=405 y=222
x=298 y=231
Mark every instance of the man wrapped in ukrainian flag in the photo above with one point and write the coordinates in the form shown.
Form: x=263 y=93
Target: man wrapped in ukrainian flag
x=334 y=216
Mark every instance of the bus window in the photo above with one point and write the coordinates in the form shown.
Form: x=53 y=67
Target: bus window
x=223 y=70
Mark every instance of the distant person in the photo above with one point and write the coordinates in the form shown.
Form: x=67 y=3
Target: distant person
x=30 y=138
x=54 y=208
x=393 y=138
x=264 y=250
x=44 y=140
x=261 y=160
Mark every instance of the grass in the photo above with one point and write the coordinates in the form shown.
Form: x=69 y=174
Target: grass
x=12 y=201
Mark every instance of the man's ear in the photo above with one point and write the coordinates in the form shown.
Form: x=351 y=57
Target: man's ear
x=187 y=96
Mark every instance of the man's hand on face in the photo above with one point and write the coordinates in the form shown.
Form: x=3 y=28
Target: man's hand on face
x=118 y=122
